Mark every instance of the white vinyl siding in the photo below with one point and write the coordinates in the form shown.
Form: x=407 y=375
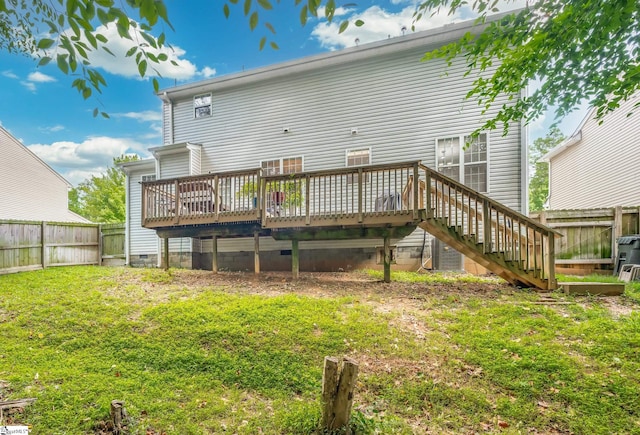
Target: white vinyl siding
x=601 y=170
x=142 y=240
x=31 y=190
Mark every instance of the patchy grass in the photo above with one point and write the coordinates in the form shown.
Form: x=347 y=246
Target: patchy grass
x=190 y=352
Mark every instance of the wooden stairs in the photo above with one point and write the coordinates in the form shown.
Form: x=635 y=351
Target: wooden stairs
x=498 y=238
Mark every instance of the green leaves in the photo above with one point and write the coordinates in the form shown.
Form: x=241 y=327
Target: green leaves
x=43 y=44
x=579 y=50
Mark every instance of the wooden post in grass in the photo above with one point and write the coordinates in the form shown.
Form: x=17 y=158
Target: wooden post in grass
x=118 y=417
x=338 y=383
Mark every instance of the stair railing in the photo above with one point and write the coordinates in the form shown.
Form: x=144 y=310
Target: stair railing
x=505 y=234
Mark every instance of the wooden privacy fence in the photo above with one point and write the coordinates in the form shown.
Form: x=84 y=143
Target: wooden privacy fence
x=589 y=236
x=26 y=245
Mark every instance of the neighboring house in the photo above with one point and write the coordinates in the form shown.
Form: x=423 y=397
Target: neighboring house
x=372 y=104
x=597 y=167
x=31 y=190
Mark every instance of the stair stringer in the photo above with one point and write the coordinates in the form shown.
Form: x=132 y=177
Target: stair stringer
x=491 y=261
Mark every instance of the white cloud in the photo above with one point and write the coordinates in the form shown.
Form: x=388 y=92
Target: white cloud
x=207 y=72
x=52 y=129
x=145 y=116
x=78 y=161
x=10 y=74
x=29 y=85
x=38 y=77
x=382 y=24
x=379 y=24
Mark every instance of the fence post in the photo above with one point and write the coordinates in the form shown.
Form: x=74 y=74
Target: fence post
x=43 y=237
x=617 y=230
x=100 y=244
x=551 y=261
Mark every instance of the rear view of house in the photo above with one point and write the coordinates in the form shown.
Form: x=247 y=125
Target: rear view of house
x=372 y=114
x=31 y=190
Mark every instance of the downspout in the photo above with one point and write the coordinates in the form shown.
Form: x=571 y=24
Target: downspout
x=127 y=222
x=159 y=246
x=168 y=118
x=524 y=161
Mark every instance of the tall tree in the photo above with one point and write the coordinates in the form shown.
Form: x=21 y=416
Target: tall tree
x=102 y=198
x=580 y=50
x=539 y=182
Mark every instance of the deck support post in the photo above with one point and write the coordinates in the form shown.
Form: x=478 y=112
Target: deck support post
x=256 y=252
x=214 y=260
x=295 y=259
x=387 y=259
x=165 y=254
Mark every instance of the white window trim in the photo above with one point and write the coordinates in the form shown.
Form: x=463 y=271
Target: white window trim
x=143 y=176
x=351 y=150
x=281 y=159
x=210 y=105
x=461 y=163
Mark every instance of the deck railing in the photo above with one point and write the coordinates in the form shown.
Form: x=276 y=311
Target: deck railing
x=208 y=198
x=371 y=195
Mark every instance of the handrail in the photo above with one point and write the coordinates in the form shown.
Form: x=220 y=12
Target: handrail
x=496 y=204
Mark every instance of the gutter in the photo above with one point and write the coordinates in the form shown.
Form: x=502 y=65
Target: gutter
x=577 y=137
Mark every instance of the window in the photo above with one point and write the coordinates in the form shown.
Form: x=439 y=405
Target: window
x=464 y=160
x=202 y=105
x=290 y=165
x=151 y=177
x=358 y=157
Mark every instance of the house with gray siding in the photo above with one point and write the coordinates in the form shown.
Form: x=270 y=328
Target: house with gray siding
x=373 y=104
x=597 y=166
x=31 y=189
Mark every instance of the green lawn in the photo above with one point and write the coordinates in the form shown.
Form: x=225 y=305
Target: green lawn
x=194 y=353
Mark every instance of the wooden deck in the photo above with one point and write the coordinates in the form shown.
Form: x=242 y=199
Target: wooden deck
x=382 y=201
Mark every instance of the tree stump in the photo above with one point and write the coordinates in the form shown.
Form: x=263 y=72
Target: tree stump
x=338 y=383
x=118 y=417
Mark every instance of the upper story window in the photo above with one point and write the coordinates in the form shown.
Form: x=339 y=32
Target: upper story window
x=288 y=165
x=359 y=157
x=468 y=165
x=202 y=105
x=151 y=177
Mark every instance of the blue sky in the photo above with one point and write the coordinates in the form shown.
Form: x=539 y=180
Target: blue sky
x=39 y=107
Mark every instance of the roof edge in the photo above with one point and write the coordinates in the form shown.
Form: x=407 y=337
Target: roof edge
x=437 y=36
x=34 y=155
